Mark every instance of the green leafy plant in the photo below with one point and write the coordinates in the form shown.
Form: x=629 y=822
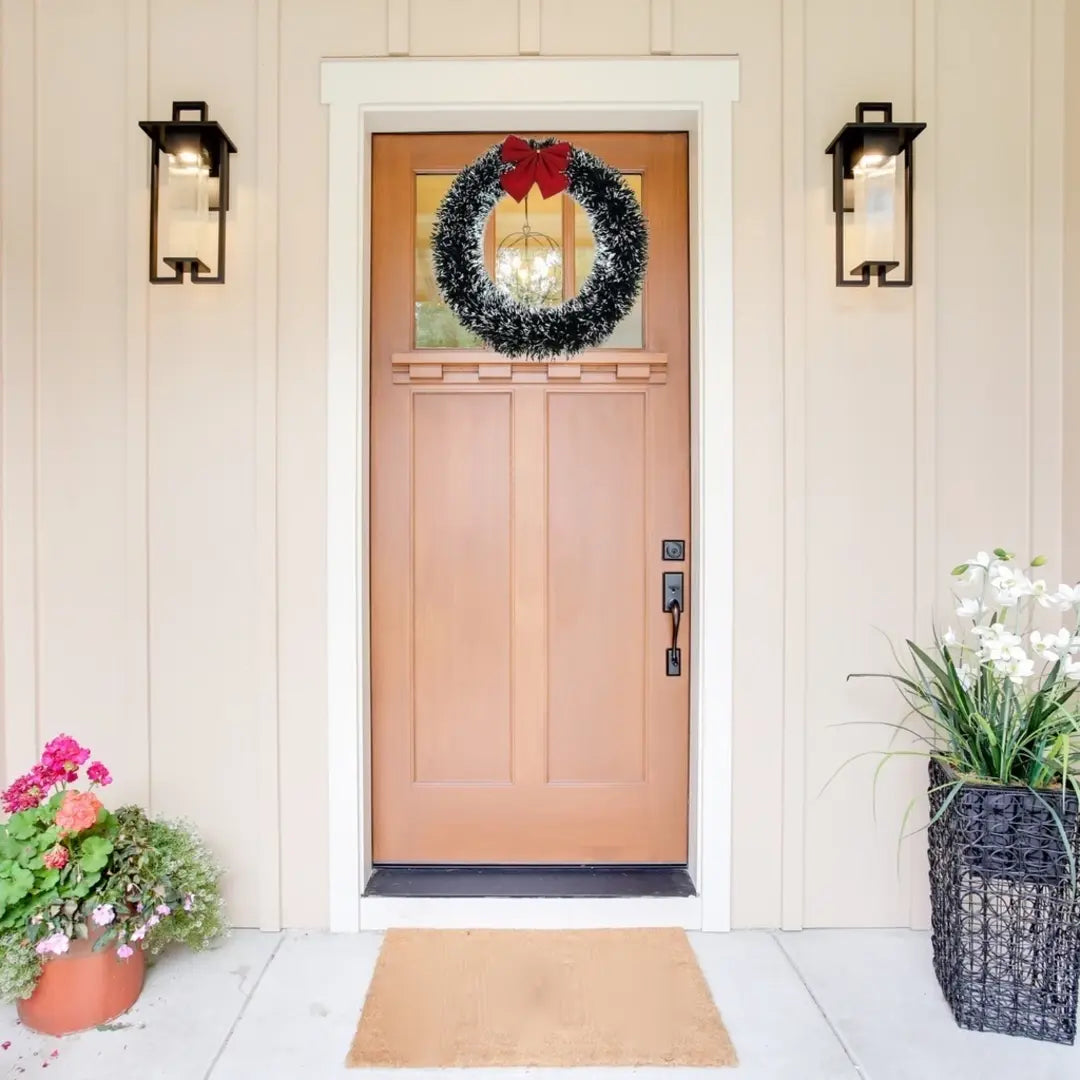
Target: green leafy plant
x=72 y=869
x=995 y=703
x=166 y=862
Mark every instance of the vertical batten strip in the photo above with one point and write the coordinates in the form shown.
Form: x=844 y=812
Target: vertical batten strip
x=1071 y=328
x=397 y=27
x=794 y=259
x=529 y=27
x=927 y=570
x=136 y=528
x=266 y=378
x=19 y=349
x=660 y=29
x=1046 y=299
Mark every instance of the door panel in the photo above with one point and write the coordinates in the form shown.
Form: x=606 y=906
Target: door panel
x=596 y=562
x=461 y=588
x=520 y=707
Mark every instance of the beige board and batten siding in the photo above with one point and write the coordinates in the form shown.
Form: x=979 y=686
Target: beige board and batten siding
x=163 y=449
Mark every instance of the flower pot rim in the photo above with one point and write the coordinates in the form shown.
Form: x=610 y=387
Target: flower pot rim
x=986 y=784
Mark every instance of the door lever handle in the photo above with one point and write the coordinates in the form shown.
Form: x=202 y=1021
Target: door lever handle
x=673 y=604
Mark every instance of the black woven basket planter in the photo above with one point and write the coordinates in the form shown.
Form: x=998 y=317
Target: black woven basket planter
x=1006 y=918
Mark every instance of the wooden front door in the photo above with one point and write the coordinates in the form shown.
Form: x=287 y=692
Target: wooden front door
x=521 y=710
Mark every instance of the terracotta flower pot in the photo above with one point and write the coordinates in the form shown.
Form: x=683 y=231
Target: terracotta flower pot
x=82 y=989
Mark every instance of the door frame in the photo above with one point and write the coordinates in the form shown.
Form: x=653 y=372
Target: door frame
x=369 y=96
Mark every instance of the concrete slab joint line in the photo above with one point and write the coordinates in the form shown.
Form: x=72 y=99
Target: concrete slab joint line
x=778 y=937
x=243 y=1007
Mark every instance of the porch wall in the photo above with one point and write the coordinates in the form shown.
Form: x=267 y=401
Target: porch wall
x=163 y=449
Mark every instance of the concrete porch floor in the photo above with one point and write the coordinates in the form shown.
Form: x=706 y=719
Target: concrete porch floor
x=820 y=1005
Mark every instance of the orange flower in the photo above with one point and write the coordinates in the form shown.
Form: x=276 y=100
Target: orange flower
x=77 y=812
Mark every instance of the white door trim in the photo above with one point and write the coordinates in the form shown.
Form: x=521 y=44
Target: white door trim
x=692 y=94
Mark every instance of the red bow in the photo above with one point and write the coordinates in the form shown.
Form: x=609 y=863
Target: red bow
x=545 y=166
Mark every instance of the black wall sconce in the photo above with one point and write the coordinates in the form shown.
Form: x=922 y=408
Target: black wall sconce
x=872 y=197
x=189 y=196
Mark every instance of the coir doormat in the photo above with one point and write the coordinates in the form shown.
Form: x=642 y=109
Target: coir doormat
x=472 y=998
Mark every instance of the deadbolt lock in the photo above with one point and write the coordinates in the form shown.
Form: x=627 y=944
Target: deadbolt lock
x=674 y=550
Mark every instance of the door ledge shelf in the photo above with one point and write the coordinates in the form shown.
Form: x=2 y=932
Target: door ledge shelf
x=429 y=366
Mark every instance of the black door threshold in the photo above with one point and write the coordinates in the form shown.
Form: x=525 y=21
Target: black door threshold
x=530 y=881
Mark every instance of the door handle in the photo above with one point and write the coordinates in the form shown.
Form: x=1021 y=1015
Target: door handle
x=676 y=618
x=673 y=604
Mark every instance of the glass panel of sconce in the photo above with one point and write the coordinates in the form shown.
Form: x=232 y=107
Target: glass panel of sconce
x=187 y=202
x=874 y=198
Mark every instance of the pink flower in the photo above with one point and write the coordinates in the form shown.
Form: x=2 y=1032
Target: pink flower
x=163 y=909
x=27 y=791
x=138 y=933
x=152 y=921
x=63 y=756
x=125 y=951
x=103 y=914
x=56 y=858
x=78 y=811
x=189 y=901
x=55 y=943
x=98 y=774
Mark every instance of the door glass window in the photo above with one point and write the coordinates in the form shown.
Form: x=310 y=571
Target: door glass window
x=436 y=327
x=526 y=253
x=630 y=332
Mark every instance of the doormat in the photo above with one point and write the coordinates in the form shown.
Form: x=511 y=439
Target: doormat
x=472 y=998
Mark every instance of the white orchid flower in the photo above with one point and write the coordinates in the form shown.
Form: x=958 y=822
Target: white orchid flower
x=1008 y=585
x=998 y=644
x=1006 y=577
x=949 y=637
x=1051 y=647
x=976 y=567
x=1001 y=653
x=970 y=608
x=1042 y=594
x=1016 y=668
x=1070 y=668
x=995 y=632
x=966 y=674
x=1066 y=597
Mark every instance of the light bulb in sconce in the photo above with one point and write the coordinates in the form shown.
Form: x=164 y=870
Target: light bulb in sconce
x=874 y=162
